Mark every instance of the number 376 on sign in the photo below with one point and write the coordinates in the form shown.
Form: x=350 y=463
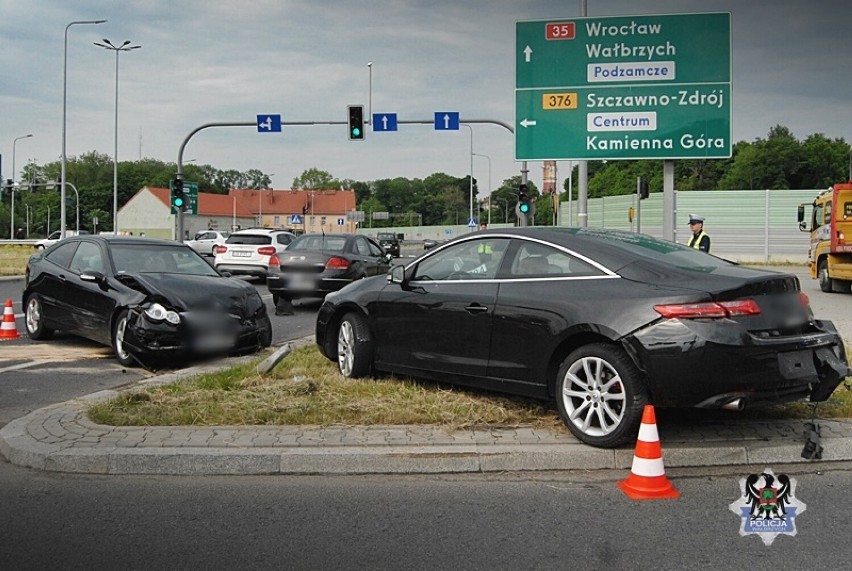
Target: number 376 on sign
x=559 y=101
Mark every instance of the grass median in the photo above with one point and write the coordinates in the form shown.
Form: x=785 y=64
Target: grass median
x=13 y=259
x=307 y=389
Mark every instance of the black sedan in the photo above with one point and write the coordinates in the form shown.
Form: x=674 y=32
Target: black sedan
x=151 y=300
x=601 y=321
x=315 y=264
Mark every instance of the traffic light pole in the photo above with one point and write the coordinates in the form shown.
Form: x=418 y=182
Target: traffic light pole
x=192 y=133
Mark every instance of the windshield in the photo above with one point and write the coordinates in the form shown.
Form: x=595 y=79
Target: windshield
x=156 y=258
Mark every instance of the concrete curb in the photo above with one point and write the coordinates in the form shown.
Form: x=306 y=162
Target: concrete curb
x=61 y=438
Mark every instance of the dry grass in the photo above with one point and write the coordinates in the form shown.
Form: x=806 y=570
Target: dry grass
x=307 y=389
x=13 y=259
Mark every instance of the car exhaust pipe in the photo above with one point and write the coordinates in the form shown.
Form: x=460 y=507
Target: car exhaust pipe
x=736 y=404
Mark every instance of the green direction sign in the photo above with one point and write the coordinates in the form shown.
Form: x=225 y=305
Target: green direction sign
x=626 y=87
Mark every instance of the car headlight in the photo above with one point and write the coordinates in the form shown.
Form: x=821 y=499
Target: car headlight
x=159 y=313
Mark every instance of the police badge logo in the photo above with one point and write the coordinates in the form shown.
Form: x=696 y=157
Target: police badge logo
x=768 y=506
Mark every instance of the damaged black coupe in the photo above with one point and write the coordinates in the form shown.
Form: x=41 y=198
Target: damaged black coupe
x=153 y=301
x=601 y=322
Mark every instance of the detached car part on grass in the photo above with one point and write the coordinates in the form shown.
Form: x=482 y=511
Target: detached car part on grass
x=154 y=302
x=602 y=322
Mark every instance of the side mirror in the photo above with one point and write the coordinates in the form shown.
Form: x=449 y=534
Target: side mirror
x=95 y=277
x=387 y=258
x=396 y=275
x=803 y=227
x=801 y=214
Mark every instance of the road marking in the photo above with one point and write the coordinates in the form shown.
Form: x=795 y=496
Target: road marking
x=26 y=365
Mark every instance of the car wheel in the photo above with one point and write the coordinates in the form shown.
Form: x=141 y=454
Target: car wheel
x=121 y=353
x=600 y=395
x=354 y=346
x=34 y=319
x=824 y=279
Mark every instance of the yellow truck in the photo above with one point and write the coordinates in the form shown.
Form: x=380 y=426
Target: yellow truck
x=830 y=252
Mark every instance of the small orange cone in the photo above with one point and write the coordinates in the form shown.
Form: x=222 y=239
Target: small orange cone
x=8 y=329
x=647 y=479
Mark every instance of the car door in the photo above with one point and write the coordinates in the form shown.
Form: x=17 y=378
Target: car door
x=368 y=258
x=440 y=321
x=92 y=306
x=50 y=285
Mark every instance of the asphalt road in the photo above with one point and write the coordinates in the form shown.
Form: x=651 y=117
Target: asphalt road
x=558 y=520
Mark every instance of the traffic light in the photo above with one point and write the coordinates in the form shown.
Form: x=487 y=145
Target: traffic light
x=179 y=198
x=356 y=122
x=524 y=204
x=643 y=189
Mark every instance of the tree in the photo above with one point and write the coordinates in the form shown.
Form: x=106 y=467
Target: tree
x=315 y=179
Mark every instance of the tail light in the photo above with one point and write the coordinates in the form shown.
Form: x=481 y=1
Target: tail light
x=337 y=263
x=274 y=261
x=220 y=249
x=266 y=250
x=711 y=309
x=803 y=297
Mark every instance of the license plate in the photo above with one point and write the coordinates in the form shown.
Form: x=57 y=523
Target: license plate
x=214 y=342
x=241 y=254
x=302 y=283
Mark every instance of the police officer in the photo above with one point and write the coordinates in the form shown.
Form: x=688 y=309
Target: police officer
x=700 y=240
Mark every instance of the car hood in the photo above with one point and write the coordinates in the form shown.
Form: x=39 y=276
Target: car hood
x=188 y=292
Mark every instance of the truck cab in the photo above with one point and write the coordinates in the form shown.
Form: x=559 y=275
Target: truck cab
x=830 y=252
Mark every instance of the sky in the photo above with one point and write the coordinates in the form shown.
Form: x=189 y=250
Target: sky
x=227 y=61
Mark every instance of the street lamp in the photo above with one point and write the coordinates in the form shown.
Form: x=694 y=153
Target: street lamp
x=471 y=173
x=489 y=184
x=370 y=94
x=64 y=106
x=12 y=190
x=122 y=48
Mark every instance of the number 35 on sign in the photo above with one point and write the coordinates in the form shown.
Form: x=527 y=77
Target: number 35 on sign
x=558 y=101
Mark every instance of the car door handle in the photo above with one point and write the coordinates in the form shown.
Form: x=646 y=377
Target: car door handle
x=475 y=308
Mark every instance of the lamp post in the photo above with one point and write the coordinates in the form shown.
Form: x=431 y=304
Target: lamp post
x=489 y=184
x=471 y=173
x=117 y=49
x=64 y=106
x=370 y=95
x=14 y=176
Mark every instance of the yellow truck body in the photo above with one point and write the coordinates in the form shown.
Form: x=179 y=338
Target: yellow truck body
x=830 y=227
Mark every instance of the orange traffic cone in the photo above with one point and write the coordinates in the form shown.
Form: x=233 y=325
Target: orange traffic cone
x=647 y=479
x=8 y=329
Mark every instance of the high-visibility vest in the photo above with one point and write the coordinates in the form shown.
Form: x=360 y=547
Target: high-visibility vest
x=696 y=241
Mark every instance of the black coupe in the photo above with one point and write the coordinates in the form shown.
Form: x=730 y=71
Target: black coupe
x=601 y=321
x=151 y=300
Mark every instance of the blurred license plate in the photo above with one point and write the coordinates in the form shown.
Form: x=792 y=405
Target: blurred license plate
x=214 y=342
x=241 y=254
x=301 y=283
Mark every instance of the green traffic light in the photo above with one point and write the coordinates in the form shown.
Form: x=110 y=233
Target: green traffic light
x=356 y=132
x=178 y=202
x=524 y=208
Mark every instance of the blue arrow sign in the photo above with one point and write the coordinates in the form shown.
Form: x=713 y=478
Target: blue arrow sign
x=269 y=123
x=384 y=122
x=446 y=120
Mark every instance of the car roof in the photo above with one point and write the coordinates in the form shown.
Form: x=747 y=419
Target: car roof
x=261 y=231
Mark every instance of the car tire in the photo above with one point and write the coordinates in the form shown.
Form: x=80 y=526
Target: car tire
x=823 y=277
x=600 y=395
x=118 y=331
x=34 y=319
x=354 y=346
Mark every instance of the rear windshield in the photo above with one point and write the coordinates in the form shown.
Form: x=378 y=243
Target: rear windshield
x=318 y=243
x=386 y=237
x=251 y=239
